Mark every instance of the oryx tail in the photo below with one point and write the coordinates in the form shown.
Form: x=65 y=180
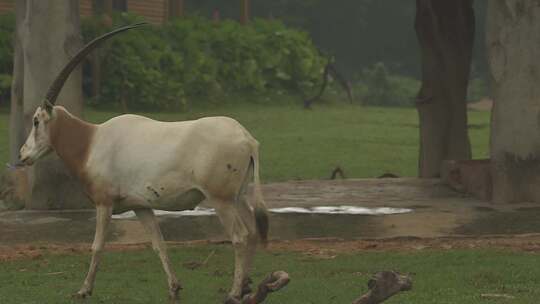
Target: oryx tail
x=261 y=211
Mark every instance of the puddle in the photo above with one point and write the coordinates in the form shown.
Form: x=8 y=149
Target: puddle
x=345 y=222
x=321 y=210
x=350 y=210
x=285 y=226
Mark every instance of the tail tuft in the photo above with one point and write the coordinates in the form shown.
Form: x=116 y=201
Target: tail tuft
x=261 y=219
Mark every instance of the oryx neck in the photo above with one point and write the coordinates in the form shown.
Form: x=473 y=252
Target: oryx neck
x=71 y=138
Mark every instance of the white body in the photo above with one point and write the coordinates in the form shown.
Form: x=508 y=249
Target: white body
x=150 y=164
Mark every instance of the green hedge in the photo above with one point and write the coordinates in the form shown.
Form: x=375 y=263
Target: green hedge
x=377 y=86
x=166 y=67
x=7 y=27
x=195 y=59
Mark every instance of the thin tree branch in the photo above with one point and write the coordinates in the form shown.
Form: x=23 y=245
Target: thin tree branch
x=330 y=70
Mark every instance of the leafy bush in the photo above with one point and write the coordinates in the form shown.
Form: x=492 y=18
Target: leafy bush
x=138 y=67
x=161 y=67
x=5 y=85
x=379 y=87
x=7 y=26
x=477 y=89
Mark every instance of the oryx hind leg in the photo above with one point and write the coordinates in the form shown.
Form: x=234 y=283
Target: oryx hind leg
x=239 y=223
x=149 y=221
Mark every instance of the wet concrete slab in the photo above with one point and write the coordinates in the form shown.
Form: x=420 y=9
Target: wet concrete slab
x=437 y=211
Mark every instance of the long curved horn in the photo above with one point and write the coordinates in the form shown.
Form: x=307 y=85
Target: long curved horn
x=58 y=83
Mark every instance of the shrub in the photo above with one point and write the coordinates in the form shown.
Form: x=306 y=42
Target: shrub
x=379 y=87
x=161 y=67
x=7 y=26
x=5 y=85
x=477 y=89
x=138 y=66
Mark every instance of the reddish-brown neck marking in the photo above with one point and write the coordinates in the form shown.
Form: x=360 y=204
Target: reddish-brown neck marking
x=71 y=138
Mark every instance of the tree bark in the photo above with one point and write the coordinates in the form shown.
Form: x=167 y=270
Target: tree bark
x=244 y=13
x=445 y=31
x=108 y=7
x=17 y=132
x=175 y=8
x=50 y=36
x=513 y=28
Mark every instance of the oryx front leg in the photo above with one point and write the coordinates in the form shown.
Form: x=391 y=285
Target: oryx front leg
x=103 y=218
x=148 y=220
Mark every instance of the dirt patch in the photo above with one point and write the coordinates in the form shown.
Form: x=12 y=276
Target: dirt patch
x=518 y=221
x=485 y=104
x=328 y=248
x=436 y=211
x=37 y=250
x=317 y=248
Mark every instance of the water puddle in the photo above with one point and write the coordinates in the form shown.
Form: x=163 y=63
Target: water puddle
x=320 y=210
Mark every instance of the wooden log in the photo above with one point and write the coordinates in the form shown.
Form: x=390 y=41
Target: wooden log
x=383 y=286
x=272 y=283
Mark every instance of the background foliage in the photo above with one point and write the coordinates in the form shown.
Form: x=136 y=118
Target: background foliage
x=197 y=60
x=7 y=26
x=162 y=67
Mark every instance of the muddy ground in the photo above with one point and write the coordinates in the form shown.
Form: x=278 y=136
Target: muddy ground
x=440 y=219
x=326 y=248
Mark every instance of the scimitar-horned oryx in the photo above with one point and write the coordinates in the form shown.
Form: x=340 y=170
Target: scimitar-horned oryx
x=135 y=163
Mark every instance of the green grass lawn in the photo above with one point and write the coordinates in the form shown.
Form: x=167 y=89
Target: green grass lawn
x=309 y=144
x=457 y=276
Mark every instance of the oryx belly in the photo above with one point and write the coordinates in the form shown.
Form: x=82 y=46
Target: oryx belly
x=170 y=166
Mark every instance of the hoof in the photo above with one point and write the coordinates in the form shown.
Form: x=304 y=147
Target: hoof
x=174 y=289
x=246 y=289
x=232 y=300
x=82 y=294
x=174 y=300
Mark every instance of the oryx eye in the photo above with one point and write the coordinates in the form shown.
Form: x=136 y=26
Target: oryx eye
x=36 y=122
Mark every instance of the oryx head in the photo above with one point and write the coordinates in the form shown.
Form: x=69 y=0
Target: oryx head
x=38 y=143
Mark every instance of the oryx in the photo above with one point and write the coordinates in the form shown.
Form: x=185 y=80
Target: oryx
x=135 y=163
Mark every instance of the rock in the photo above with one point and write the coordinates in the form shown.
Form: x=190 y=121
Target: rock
x=3 y=206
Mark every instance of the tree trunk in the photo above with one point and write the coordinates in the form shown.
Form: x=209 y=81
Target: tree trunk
x=244 y=13
x=51 y=35
x=513 y=28
x=445 y=31
x=17 y=132
x=108 y=7
x=175 y=8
